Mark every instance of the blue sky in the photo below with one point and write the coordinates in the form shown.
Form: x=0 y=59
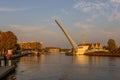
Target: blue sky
x=33 y=20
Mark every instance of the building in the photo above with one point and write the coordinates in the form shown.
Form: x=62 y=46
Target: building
x=96 y=47
x=31 y=45
x=52 y=49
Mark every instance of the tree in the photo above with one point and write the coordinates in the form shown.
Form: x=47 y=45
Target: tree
x=7 y=40
x=112 y=45
x=118 y=51
x=3 y=41
x=0 y=41
x=11 y=40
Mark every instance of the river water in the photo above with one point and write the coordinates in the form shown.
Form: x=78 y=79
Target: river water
x=62 y=67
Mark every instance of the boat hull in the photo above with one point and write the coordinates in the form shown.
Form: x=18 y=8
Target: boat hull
x=81 y=50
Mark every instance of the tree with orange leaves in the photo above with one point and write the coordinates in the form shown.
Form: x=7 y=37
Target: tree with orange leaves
x=7 y=41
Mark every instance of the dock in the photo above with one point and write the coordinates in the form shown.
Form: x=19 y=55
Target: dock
x=5 y=70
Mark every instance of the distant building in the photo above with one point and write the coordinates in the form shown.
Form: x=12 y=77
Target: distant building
x=52 y=49
x=95 y=46
x=31 y=45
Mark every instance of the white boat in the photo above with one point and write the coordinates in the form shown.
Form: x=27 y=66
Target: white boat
x=82 y=49
x=75 y=48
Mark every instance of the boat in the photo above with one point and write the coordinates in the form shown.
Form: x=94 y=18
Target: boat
x=82 y=48
x=76 y=50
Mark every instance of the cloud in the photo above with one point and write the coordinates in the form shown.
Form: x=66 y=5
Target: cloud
x=94 y=33
x=93 y=17
x=111 y=8
x=83 y=26
x=115 y=1
x=114 y=17
x=102 y=35
x=65 y=11
x=30 y=31
x=87 y=6
x=115 y=14
x=25 y=32
x=49 y=36
x=11 y=9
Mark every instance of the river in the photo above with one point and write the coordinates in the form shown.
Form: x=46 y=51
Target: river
x=62 y=67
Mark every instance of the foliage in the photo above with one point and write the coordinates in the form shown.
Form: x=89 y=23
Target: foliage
x=7 y=40
x=112 y=45
x=118 y=50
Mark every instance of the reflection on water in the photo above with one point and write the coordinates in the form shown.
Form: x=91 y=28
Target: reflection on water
x=61 y=67
x=85 y=60
x=32 y=59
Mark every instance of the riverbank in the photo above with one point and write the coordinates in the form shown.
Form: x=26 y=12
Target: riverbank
x=107 y=54
x=100 y=53
x=5 y=70
x=16 y=55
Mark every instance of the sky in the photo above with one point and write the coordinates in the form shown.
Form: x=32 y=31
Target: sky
x=34 y=20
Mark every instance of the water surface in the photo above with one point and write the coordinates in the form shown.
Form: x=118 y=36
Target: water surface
x=62 y=67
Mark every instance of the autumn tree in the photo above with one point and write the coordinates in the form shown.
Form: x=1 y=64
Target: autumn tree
x=112 y=45
x=0 y=40
x=7 y=40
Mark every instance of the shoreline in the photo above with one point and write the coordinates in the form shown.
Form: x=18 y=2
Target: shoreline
x=5 y=70
x=16 y=55
x=100 y=53
x=106 y=54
